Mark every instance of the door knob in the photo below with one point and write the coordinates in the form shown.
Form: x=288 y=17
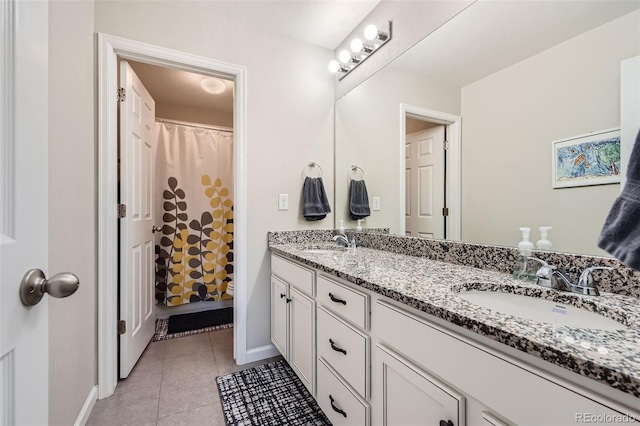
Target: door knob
x=34 y=285
x=155 y=229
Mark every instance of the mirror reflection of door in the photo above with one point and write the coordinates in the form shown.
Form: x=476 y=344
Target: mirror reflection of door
x=425 y=171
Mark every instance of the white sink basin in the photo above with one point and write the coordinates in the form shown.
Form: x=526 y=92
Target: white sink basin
x=540 y=310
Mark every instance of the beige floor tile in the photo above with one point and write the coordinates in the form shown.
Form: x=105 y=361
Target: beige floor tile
x=222 y=338
x=140 y=379
x=192 y=364
x=186 y=345
x=185 y=394
x=206 y=415
x=129 y=408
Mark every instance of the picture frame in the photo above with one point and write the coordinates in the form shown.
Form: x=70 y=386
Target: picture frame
x=586 y=160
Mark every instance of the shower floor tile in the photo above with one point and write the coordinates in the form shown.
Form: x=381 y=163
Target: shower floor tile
x=173 y=383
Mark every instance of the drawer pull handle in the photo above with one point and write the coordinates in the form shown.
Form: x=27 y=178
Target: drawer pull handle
x=337 y=410
x=282 y=295
x=446 y=423
x=335 y=348
x=335 y=299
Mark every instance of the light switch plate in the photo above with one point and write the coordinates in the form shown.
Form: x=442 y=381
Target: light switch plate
x=376 y=203
x=283 y=201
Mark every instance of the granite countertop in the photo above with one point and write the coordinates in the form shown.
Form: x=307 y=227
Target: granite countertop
x=610 y=357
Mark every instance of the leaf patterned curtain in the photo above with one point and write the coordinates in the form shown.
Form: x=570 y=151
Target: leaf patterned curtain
x=194 y=193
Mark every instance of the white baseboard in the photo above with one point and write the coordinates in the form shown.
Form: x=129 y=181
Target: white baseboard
x=263 y=352
x=87 y=407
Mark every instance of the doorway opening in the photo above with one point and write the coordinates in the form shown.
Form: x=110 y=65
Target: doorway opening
x=430 y=183
x=110 y=50
x=175 y=158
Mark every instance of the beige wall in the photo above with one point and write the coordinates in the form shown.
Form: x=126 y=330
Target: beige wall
x=194 y=115
x=368 y=135
x=509 y=121
x=290 y=117
x=72 y=207
x=414 y=125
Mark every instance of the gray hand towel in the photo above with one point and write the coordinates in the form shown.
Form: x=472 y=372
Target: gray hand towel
x=315 y=205
x=358 y=200
x=620 y=235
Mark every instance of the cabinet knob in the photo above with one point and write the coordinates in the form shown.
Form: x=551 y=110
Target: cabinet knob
x=446 y=423
x=288 y=300
x=282 y=295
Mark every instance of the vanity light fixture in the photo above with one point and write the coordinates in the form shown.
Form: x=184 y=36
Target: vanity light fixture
x=360 y=51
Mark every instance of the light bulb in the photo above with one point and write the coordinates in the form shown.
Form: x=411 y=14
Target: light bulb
x=371 y=32
x=357 y=45
x=344 y=56
x=334 y=66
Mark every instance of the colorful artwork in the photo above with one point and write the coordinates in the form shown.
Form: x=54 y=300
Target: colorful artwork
x=592 y=159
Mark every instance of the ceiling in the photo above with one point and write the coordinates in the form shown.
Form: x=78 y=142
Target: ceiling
x=324 y=23
x=491 y=35
x=175 y=87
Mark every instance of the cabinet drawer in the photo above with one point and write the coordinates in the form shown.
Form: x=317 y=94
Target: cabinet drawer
x=298 y=276
x=338 y=402
x=346 y=349
x=349 y=304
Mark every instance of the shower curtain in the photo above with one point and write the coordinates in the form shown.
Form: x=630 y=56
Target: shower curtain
x=194 y=193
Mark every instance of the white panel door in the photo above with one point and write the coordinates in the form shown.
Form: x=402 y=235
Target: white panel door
x=137 y=277
x=24 y=356
x=425 y=183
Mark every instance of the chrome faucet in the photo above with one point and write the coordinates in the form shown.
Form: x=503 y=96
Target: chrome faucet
x=342 y=238
x=552 y=277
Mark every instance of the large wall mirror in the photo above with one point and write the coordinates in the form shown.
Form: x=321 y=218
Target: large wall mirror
x=502 y=80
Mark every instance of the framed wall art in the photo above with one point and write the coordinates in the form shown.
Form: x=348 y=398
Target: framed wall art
x=591 y=159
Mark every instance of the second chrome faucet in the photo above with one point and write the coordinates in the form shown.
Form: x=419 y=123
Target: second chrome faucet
x=552 y=277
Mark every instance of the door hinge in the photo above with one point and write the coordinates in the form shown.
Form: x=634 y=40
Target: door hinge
x=122 y=327
x=122 y=211
x=122 y=94
x=445 y=145
x=445 y=211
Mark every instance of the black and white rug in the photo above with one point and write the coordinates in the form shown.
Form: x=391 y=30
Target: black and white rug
x=193 y=323
x=270 y=394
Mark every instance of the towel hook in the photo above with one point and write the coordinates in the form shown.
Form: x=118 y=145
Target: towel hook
x=354 y=169
x=311 y=165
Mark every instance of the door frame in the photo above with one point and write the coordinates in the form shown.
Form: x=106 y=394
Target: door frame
x=454 y=124
x=110 y=48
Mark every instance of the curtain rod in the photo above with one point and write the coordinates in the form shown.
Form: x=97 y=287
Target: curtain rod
x=196 y=125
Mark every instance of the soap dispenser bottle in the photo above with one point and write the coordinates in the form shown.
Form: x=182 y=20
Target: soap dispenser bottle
x=341 y=228
x=543 y=243
x=359 y=227
x=526 y=251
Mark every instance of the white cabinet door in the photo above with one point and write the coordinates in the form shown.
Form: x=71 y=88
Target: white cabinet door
x=302 y=326
x=410 y=396
x=279 y=314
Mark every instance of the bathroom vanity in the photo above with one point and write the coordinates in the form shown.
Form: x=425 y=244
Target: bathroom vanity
x=384 y=338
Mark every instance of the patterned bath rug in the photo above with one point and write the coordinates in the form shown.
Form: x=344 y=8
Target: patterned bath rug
x=193 y=323
x=269 y=394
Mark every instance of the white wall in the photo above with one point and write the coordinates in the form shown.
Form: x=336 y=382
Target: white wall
x=509 y=121
x=290 y=117
x=412 y=21
x=72 y=207
x=368 y=135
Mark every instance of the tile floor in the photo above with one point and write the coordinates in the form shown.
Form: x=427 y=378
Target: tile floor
x=173 y=383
